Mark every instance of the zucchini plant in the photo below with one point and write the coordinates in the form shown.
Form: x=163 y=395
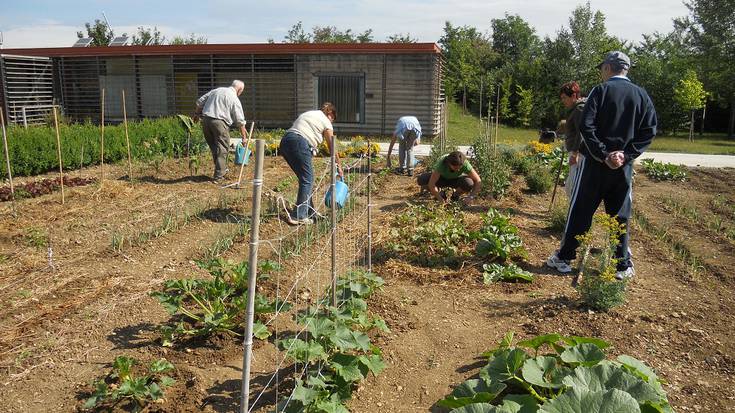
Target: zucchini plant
x=553 y=373
x=335 y=348
x=122 y=385
x=204 y=307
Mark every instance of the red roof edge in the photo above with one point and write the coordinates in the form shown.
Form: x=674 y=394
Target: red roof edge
x=254 y=48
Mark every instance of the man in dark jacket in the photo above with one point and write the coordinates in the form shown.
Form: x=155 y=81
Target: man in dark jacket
x=618 y=124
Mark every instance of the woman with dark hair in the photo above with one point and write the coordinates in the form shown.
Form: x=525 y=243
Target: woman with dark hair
x=573 y=101
x=451 y=171
x=298 y=146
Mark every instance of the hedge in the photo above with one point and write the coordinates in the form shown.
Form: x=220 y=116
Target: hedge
x=33 y=150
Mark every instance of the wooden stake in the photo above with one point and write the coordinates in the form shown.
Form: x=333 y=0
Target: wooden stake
x=497 y=121
x=102 y=139
x=7 y=158
x=127 y=140
x=58 y=151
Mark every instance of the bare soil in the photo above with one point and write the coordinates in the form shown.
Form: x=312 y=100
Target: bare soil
x=67 y=316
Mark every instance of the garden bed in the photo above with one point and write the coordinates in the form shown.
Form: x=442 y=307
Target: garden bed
x=70 y=315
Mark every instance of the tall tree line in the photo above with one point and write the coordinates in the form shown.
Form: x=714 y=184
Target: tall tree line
x=528 y=70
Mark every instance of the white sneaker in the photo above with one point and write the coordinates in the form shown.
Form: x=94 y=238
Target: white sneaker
x=625 y=275
x=558 y=264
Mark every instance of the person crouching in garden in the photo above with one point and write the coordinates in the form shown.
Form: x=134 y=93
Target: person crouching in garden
x=451 y=171
x=573 y=101
x=408 y=134
x=298 y=146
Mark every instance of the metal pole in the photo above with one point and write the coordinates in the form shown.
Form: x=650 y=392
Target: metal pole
x=127 y=139
x=58 y=150
x=25 y=119
x=334 y=219
x=252 y=275
x=7 y=157
x=369 y=210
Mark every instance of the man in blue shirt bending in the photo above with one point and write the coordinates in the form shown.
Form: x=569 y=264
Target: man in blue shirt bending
x=618 y=124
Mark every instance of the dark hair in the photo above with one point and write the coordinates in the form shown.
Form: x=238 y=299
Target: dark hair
x=570 y=89
x=455 y=158
x=329 y=109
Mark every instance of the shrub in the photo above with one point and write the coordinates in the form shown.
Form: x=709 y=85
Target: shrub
x=554 y=373
x=599 y=289
x=539 y=179
x=659 y=171
x=33 y=150
x=557 y=219
x=493 y=170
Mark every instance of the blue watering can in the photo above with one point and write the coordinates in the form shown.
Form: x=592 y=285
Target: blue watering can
x=341 y=192
x=242 y=155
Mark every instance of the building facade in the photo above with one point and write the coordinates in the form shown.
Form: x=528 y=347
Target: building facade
x=372 y=85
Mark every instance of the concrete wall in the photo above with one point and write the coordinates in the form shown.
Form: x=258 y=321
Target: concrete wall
x=395 y=85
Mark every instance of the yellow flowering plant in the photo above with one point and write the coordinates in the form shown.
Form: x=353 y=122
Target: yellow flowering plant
x=599 y=288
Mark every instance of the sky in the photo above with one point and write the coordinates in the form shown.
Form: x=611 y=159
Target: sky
x=53 y=23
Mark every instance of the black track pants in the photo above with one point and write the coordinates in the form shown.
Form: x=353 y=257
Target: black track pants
x=595 y=183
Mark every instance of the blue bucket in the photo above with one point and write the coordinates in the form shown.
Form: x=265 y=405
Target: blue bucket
x=340 y=195
x=242 y=155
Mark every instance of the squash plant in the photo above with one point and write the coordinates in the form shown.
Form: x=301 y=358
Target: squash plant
x=335 y=349
x=204 y=307
x=559 y=374
x=123 y=385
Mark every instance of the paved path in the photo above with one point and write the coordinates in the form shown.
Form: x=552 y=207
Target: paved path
x=686 y=159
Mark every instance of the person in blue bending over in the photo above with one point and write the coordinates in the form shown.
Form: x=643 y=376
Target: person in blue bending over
x=618 y=125
x=408 y=133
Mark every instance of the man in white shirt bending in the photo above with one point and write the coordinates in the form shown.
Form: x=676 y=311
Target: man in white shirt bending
x=221 y=109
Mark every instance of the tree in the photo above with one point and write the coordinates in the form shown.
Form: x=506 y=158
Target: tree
x=192 y=39
x=505 y=92
x=525 y=105
x=590 y=40
x=711 y=35
x=690 y=95
x=467 y=55
x=660 y=62
x=297 y=34
x=326 y=34
x=330 y=34
x=148 y=37
x=401 y=38
x=100 y=32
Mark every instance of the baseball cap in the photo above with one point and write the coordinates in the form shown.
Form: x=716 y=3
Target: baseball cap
x=616 y=57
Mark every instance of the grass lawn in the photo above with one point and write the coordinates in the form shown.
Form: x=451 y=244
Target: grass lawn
x=463 y=128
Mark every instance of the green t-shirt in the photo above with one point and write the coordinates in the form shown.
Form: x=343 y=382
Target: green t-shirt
x=447 y=173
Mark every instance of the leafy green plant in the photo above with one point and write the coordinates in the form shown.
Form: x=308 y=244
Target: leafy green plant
x=599 y=289
x=557 y=219
x=35 y=237
x=572 y=376
x=33 y=150
x=510 y=273
x=659 y=171
x=493 y=170
x=428 y=235
x=539 y=179
x=498 y=238
x=214 y=305
x=335 y=348
x=122 y=385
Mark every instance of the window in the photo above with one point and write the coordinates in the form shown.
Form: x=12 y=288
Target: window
x=347 y=93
